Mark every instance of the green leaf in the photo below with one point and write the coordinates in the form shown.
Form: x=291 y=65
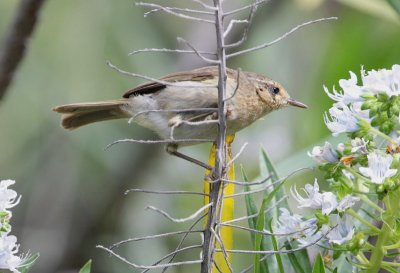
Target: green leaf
x=260 y=225
x=395 y=5
x=269 y=166
x=28 y=263
x=87 y=267
x=258 y=237
x=319 y=266
x=276 y=248
x=252 y=210
x=294 y=260
x=250 y=205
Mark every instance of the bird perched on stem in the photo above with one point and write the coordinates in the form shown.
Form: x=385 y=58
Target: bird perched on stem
x=187 y=107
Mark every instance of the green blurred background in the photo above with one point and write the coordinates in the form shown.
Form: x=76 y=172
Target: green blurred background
x=73 y=191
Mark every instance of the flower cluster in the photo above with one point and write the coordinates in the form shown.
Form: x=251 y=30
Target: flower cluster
x=8 y=243
x=364 y=169
x=369 y=113
x=376 y=102
x=326 y=220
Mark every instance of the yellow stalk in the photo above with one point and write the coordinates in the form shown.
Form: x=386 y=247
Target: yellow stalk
x=227 y=211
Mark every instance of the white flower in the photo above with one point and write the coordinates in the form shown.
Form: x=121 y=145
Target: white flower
x=347 y=202
x=359 y=145
x=341 y=119
x=310 y=237
x=349 y=175
x=324 y=154
x=8 y=249
x=340 y=147
x=351 y=91
x=294 y=226
x=378 y=168
x=356 y=109
x=8 y=197
x=383 y=80
x=343 y=229
x=326 y=201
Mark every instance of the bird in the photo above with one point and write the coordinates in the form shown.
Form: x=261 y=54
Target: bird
x=183 y=105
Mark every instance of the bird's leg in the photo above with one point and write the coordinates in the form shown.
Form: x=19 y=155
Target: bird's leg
x=172 y=150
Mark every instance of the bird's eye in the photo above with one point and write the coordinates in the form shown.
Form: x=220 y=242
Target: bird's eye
x=275 y=90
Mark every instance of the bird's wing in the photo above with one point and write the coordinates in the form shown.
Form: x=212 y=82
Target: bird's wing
x=196 y=75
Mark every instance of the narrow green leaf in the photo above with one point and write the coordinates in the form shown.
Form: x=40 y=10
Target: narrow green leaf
x=28 y=263
x=252 y=210
x=304 y=259
x=269 y=165
x=87 y=267
x=395 y=5
x=250 y=205
x=259 y=236
x=276 y=248
x=260 y=225
x=319 y=266
x=271 y=170
x=294 y=261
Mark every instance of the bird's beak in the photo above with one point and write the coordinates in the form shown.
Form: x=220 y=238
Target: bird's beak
x=296 y=103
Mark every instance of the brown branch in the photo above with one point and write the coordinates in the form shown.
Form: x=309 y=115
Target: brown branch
x=16 y=41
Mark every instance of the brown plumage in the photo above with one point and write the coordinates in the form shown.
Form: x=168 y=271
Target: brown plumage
x=256 y=95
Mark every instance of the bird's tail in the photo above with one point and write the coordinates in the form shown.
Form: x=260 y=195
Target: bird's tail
x=79 y=114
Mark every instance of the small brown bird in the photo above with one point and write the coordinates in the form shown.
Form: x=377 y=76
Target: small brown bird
x=180 y=111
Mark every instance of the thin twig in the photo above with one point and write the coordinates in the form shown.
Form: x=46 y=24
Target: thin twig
x=166 y=141
x=264 y=232
x=173 y=253
x=180 y=220
x=204 y=5
x=166 y=192
x=237 y=155
x=256 y=214
x=232 y=23
x=195 y=11
x=147 y=266
x=153 y=237
x=302 y=247
x=157 y=80
x=246 y=29
x=245 y=251
x=221 y=243
x=167 y=50
x=177 y=14
x=279 y=38
x=16 y=41
x=239 y=70
x=181 y=242
x=190 y=123
x=183 y=110
x=205 y=59
x=217 y=267
x=244 y=183
x=281 y=180
x=257 y=3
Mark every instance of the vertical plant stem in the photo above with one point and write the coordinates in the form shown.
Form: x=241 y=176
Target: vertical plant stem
x=385 y=234
x=220 y=153
x=227 y=211
x=16 y=41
